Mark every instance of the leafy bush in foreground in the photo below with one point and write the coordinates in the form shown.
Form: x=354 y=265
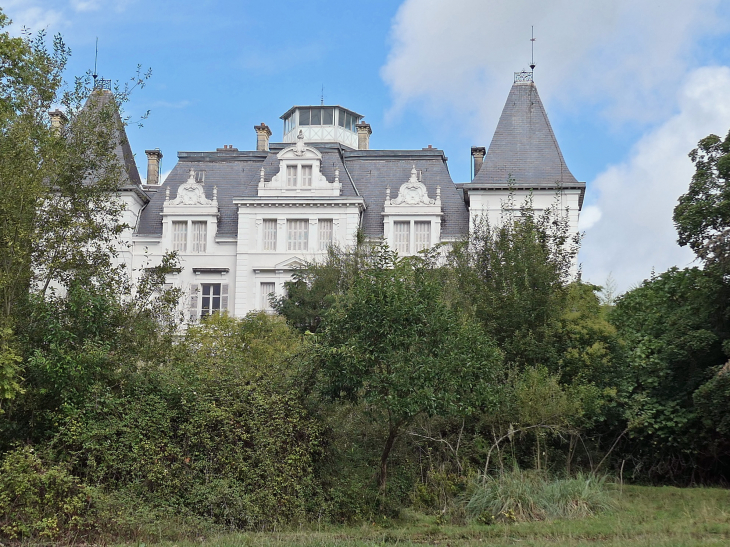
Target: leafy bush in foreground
x=39 y=500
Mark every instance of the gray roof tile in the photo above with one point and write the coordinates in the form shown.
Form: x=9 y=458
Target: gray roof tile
x=236 y=175
x=524 y=147
x=374 y=170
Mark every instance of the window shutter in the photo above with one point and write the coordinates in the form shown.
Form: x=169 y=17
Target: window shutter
x=193 y=305
x=224 y=297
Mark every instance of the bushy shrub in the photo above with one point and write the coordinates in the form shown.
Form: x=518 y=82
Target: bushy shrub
x=39 y=500
x=211 y=436
x=524 y=496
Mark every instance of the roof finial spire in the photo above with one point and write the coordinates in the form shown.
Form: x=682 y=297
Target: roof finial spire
x=322 y=96
x=532 y=48
x=96 y=58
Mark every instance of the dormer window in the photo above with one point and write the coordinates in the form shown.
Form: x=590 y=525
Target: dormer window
x=306 y=175
x=402 y=237
x=180 y=236
x=291 y=175
x=300 y=173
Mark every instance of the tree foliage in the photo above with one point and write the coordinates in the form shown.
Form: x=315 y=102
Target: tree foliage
x=393 y=343
x=702 y=216
x=514 y=275
x=674 y=327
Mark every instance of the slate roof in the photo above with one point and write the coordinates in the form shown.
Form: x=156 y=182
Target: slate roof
x=366 y=173
x=236 y=175
x=374 y=170
x=524 y=147
x=99 y=99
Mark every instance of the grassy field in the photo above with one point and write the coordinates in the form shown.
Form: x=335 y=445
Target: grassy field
x=645 y=516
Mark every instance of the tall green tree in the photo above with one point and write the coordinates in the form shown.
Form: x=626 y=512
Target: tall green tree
x=702 y=216
x=674 y=328
x=514 y=276
x=59 y=214
x=392 y=343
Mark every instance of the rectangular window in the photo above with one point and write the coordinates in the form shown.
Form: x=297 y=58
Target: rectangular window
x=267 y=289
x=402 y=237
x=211 y=298
x=421 y=236
x=180 y=236
x=304 y=116
x=269 y=235
x=297 y=235
x=325 y=234
x=200 y=236
x=341 y=115
x=328 y=116
x=316 y=116
x=291 y=175
x=306 y=175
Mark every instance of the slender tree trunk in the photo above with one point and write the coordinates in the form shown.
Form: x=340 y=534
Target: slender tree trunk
x=382 y=478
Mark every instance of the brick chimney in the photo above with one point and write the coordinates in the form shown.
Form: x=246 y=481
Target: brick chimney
x=58 y=120
x=363 y=136
x=153 y=165
x=262 y=136
x=478 y=153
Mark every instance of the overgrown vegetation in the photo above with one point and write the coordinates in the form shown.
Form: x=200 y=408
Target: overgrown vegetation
x=482 y=384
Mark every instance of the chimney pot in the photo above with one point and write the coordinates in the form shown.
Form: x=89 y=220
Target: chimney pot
x=58 y=120
x=153 y=165
x=262 y=136
x=478 y=153
x=363 y=135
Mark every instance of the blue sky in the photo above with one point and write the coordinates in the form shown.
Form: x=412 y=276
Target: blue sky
x=629 y=86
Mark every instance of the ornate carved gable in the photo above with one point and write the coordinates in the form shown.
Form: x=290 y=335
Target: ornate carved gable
x=413 y=193
x=190 y=199
x=192 y=193
x=304 y=164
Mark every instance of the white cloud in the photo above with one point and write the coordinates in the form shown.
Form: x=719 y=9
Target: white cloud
x=32 y=16
x=96 y=5
x=588 y=217
x=86 y=5
x=635 y=232
x=457 y=58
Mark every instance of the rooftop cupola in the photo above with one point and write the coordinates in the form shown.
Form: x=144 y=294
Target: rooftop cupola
x=322 y=124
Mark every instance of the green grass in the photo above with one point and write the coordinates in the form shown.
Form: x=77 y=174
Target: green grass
x=645 y=516
x=522 y=496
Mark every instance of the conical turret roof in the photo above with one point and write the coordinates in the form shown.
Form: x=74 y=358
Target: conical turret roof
x=101 y=98
x=524 y=150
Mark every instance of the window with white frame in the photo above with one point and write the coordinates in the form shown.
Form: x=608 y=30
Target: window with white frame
x=306 y=175
x=200 y=236
x=207 y=299
x=402 y=237
x=267 y=290
x=421 y=236
x=291 y=175
x=269 y=235
x=297 y=235
x=180 y=236
x=325 y=233
x=211 y=298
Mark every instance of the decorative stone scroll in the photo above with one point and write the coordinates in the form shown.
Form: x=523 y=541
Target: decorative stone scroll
x=412 y=193
x=191 y=193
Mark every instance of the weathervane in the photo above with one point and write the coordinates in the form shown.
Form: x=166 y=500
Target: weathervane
x=96 y=58
x=532 y=48
x=102 y=84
